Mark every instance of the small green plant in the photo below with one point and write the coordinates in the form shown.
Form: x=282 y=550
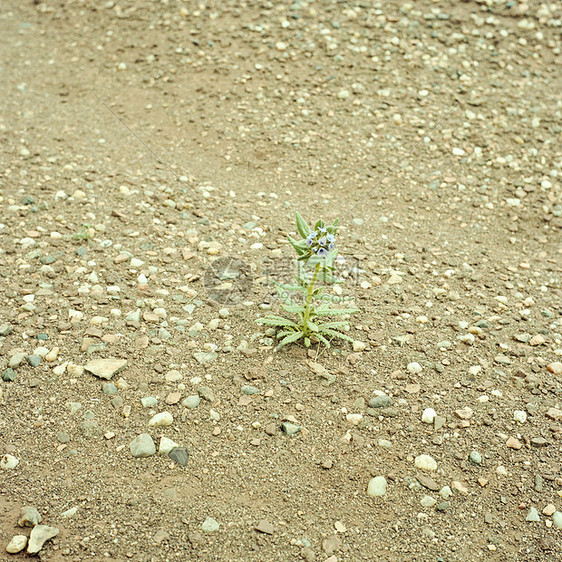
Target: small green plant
x=83 y=233
x=316 y=255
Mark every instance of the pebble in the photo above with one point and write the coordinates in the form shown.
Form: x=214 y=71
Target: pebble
x=8 y=375
x=29 y=517
x=249 y=390
x=354 y=419
x=428 y=415
x=142 y=446
x=555 y=367
x=166 y=445
x=533 y=515
x=191 y=401
x=109 y=388
x=557 y=519
x=163 y=419
x=8 y=462
x=105 y=368
x=425 y=462
x=39 y=536
x=148 y=401
x=16 y=544
x=264 y=527
x=414 y=368
x=290 y=428
x=34 y=360
x=179 y=455
x=381 y=401
x=173 y=376
x=359 y=346
x=210 y=525
x=377 y=486
x=520 y=416
x=428 y=501
x=204 y=357
x=475 y=458
x=513 y=443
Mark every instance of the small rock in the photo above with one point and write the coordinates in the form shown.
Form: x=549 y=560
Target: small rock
x=39 y=536
x=166 y=445
x=249 y=390
x=428 y=415
x=34 y=360
x=8 y=375
x=555 y=367
x=191 y=401
x=464 y=413
x=549 y=509
x=513 y=443
x=539 y=442
x=475 y=458
x=148 y=401
x=29 y=517
x=8 y=462
x=290 y=428
x=204 y=357
x=354 y=419
x=359 y=346
x=377 y=486
x=105 y=368
x=330 y=545
x=210 y=525
x=179 y=455
x=425 y=462
x=16 y=544
x=533 y=515
x=109 y=388
x=381 y=401
x=428 y=482
x=557 y=519
x=173 y=398
x=428 y=501
x=414 y=368
x=264 y=527
x=163 y=419
x=142 y=446
x=520 y=416
x=554 y=414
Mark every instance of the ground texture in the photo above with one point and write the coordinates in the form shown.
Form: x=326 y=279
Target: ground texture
x=153 y=155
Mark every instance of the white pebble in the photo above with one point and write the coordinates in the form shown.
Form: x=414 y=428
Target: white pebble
x=428 y=415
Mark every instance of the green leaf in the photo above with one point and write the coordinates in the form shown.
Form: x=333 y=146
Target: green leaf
x=276 y=321
x=323 y=339
x=335 y=311
x=284 y=333
x=291 y=338
x=336 y=334
x=313 y=326
x=303 y=228
x=334 y=325
x=283 y=295
x=319 y=224
x=297 y=246
x=307 y=342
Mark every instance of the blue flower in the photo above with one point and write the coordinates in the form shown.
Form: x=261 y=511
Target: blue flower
x=331 y=246
x=322 y=241
x=331 y=238
x=309 y=241
x=322 y=252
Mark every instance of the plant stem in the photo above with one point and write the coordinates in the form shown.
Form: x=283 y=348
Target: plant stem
x=308 y=304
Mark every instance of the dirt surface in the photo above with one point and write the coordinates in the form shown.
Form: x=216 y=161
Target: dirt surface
x=142 y=141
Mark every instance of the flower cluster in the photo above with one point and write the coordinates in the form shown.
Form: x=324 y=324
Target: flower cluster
x=321 y=241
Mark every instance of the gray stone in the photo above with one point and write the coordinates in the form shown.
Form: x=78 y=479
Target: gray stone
x=91 y=429
x=179 y=455
x=148 y=401
x=533 y=515
x=109 y=388
x=249 y=390
x=557 y=519
x=191 y=401
x=33 y=360
x=203 y=357
x=5 y=330
x=74 y=407
x=8 y=462
x=105 y=368
x=210 y=525
x=8 y=375
x=428 y=501
x=39 y=536
x=475 y=458
x=142 y=446
x=290 y=428
x=63 y=437
x=29 y=517
x=382 y=401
